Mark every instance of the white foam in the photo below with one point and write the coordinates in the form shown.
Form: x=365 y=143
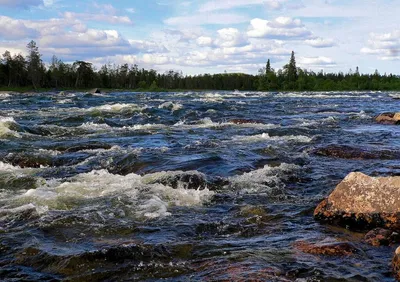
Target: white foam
x=5 y=95
x=6 y=124
x=145 y=200
x=267 y=137
x=208 y=123
x=171 y=106
x=94 y=126
x=395 y=95
x=323 y=95
x=263 y=179
x=116 y=108
x=9 y=167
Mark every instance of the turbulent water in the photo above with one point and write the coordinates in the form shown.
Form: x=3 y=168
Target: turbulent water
x=182 y=186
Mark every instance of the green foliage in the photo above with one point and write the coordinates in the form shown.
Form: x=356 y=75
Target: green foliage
x=18 y=72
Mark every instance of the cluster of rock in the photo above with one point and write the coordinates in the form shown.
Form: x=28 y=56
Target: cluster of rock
x=361 y=202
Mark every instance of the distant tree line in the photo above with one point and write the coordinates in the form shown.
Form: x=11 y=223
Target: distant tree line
x=30 y=71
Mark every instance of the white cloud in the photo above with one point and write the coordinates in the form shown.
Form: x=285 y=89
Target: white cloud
x=109 y=18
x=204 y=41
x=230 y=37
x=214 y=5
x=206 y=19
x=20 y=3
x=281 y=27
x=15 y=29
x=316 y=62
x=386 y=45
x=321 y=42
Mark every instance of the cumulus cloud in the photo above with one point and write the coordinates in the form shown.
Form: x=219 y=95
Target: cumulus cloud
x=24 y=4
x=15 y=29
x=316 y=62
x=230 y=37
x=320 y=42
x=386 y=46
x=109 y=18
x=207 y=19
x=280 y=28
x=204 y=41
x=232 y=4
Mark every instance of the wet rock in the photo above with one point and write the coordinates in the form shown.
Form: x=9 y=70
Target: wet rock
x=396 y=264
x=245 y=121
x=126 y=164
x=362 y=202
x=179 y=179
x=388 y=118
x=27 y=160
x=326 y=248
x=82 y=147
x=348 y=152
x=381 y=237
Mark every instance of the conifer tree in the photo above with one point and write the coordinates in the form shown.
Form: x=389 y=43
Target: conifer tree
x=35 y=64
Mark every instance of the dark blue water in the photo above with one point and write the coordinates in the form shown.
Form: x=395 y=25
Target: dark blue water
x=183 y=186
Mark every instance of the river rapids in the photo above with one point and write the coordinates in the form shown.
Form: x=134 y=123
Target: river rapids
x=192 y=186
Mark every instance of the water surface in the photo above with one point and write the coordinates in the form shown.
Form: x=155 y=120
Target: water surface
x=182 y=186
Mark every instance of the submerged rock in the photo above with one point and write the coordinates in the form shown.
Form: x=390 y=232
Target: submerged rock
x=381 y=237
x=362 y=202
x=179 y=179
x=348 y=152
x=327 y=248
x=389 y=118
x=85 y=146
x=245 y=121
x=29 y=160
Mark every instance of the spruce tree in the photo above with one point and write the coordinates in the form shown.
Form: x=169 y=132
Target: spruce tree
x=35 y=65
x=268 y=67
x=292 y=69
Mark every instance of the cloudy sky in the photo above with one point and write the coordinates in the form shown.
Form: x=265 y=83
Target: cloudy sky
x=209 y=36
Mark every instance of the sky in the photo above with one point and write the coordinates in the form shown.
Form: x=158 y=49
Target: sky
x=209 y=36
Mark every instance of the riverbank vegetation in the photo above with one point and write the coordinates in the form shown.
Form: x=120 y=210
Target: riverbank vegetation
x=19 y=72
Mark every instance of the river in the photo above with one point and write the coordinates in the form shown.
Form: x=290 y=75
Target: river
x=191 y=186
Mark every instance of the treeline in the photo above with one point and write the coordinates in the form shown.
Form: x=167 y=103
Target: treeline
x=30 y=71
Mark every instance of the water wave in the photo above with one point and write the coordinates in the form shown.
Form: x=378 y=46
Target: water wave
x=9 y=127
x=267 y=137
x=131 y=192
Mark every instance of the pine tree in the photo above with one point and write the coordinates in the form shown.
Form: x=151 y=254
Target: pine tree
x=35 y=64
x=292 y=70
x=268 y=67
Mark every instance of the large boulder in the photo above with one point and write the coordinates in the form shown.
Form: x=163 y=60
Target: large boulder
x=389 y=118
x=362 y=202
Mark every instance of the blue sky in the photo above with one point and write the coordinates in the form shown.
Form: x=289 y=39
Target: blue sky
x=208 y=36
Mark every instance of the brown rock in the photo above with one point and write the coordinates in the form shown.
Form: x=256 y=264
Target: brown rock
x=381 y=237
x=327 y=248
x=348 y=152
x=363 y=202
x=396 y=264
x=389 y=118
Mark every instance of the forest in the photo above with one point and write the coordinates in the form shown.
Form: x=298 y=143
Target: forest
x=17 y=71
